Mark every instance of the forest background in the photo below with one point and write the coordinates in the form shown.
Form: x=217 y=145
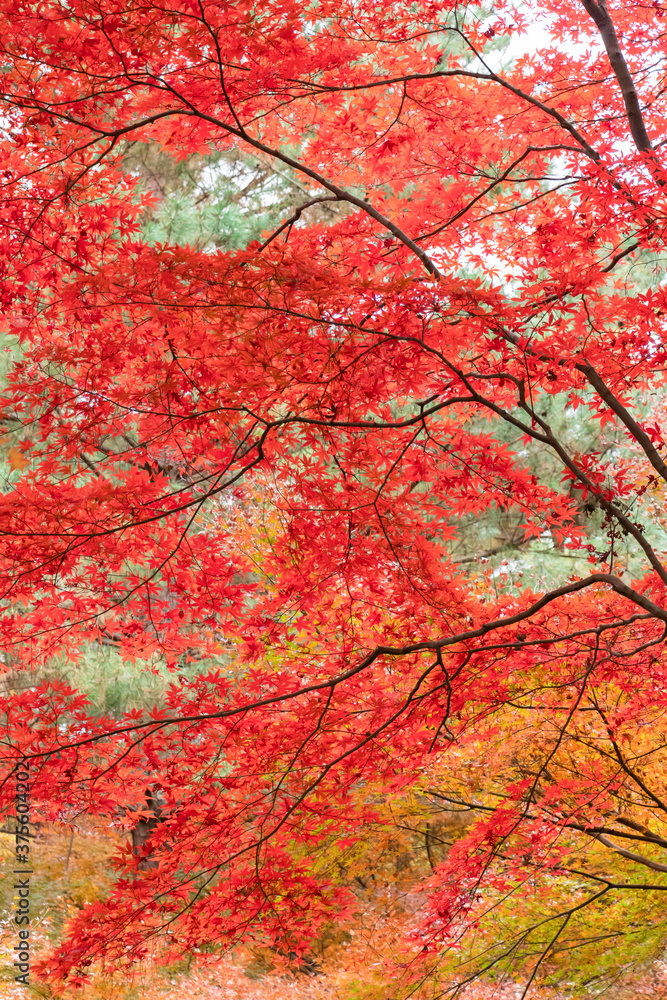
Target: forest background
x=332 y=530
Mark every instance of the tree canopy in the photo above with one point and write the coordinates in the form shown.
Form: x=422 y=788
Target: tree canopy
x=333 y=417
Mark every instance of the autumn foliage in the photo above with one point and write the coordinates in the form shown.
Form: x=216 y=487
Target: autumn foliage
x=383 y=490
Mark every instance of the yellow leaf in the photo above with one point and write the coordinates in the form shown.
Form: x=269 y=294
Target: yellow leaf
x=16 y=459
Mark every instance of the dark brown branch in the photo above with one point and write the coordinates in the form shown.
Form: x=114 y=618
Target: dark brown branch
x=427 y=841
x=598 y=11
x=562 y=121
x=614 y=404
x=288 y=223
x=547 y=437
x=643 y=838
x=630 y=855
x=417 y=647
x=624 y=764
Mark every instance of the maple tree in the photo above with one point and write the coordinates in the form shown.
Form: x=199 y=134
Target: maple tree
x=382 y=488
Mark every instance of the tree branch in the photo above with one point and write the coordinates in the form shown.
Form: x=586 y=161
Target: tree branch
x=630 y=855
x=288 y=223
x=600 y=14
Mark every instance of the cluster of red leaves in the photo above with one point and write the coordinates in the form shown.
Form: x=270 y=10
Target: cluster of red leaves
x=270 y=450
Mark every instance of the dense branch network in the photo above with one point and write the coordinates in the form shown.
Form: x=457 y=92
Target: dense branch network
x=288 y=473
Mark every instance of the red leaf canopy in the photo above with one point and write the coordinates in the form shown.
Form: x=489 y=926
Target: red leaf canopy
x=267 y=464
